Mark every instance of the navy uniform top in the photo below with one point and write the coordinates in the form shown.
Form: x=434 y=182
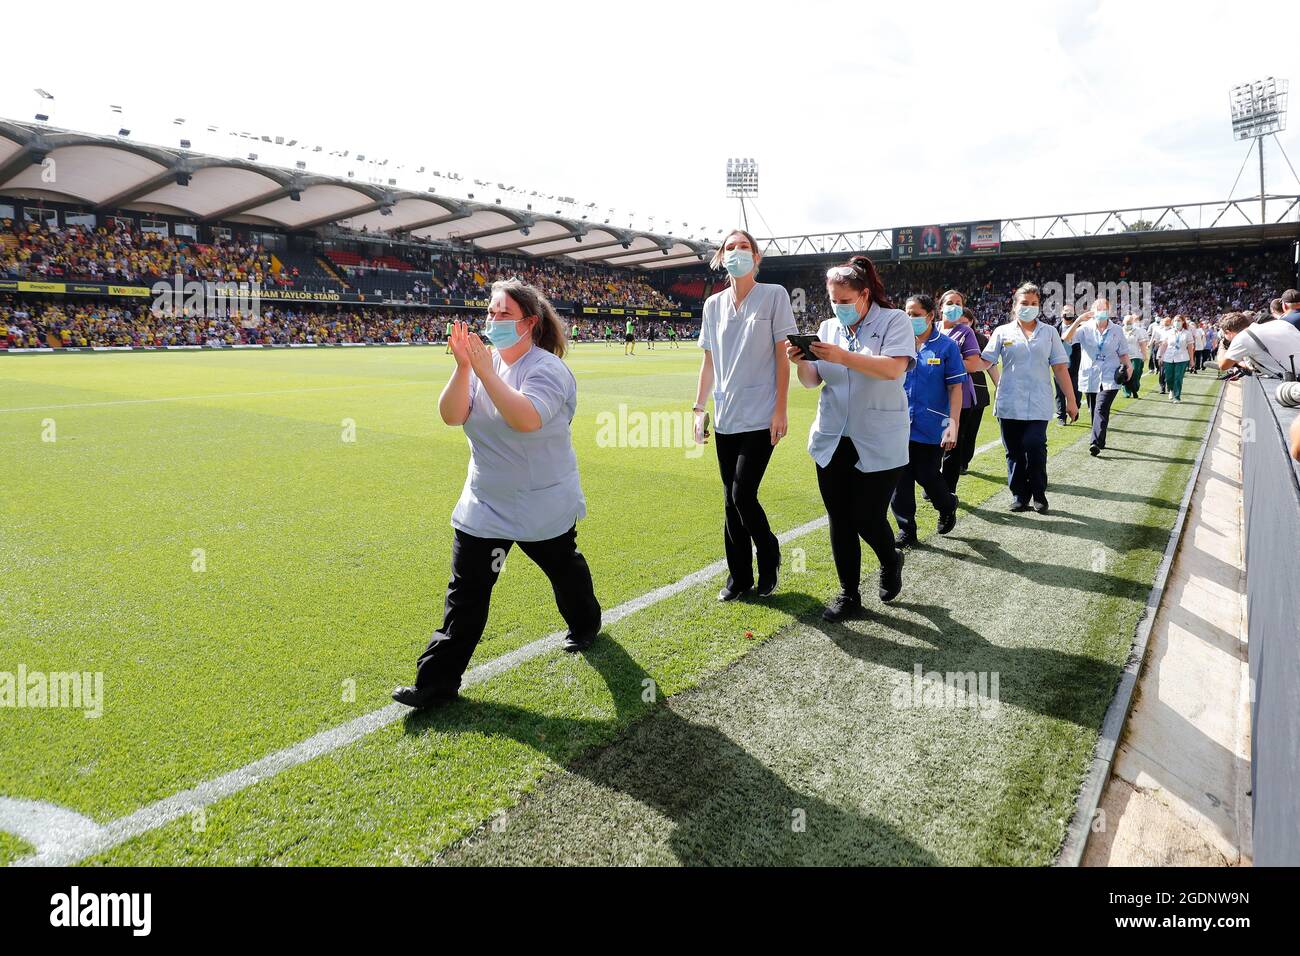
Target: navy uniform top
x=938 y=365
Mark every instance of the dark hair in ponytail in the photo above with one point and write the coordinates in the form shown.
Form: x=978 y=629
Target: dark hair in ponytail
x=861 y=276
x=551 y=331
x=924 y=301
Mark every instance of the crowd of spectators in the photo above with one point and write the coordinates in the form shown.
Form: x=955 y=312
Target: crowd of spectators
x=468 y=277
x=114 y=252
x=27 y=322
x=1201 y=285
x=122 y=255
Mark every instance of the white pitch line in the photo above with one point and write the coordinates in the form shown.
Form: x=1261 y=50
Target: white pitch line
x=204 y=398
x=80 y=844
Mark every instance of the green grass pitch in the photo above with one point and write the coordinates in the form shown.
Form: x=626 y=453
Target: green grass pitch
x=252 y=547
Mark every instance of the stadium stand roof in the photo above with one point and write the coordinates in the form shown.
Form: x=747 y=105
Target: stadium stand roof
x=107 y=173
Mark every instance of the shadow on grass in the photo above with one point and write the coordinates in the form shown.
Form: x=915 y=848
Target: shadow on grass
x=1072 y=687
x=726 y=806
x=1119 y=536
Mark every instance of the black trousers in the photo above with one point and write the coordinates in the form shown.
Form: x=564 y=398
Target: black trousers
x=475 y=566
x=960 y=457
x=742 y=460
x=1099 y=408
x=857 y=504
x=1076 y=354
x=921 y=469
x=1026 y=445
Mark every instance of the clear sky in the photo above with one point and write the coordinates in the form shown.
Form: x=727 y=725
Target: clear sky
x=861 y=115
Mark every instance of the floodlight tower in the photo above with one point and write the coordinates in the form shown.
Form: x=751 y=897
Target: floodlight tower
x=1258 y=110
x=742 y=182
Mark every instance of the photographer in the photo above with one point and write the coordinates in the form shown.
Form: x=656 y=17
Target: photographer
x=1270 y=347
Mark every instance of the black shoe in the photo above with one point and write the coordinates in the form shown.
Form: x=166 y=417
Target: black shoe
x=1060 y=420
x=843 y=605
x=1018 y=505
x=767 y=583
x=1040 y=505
x=947 y=521
x=891 y=581
x=904 y=540
x=574 y=643
x=423 y=699
x=964 y=469
x=731 y=593
x=1094 y=449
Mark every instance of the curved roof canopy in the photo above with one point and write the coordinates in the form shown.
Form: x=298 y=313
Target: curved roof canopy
x=108 y=173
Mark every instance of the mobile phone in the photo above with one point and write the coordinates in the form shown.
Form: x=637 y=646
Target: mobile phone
x=804 y=342
x=704 y=426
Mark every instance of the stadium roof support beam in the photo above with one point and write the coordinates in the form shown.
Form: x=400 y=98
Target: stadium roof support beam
x=130 y=195
x=33 y=148
x=458 y=210
x=662 y=260
x=524 y=222
x=578 y=231
x=234 y=209
x=625 y=238
x=346 y=214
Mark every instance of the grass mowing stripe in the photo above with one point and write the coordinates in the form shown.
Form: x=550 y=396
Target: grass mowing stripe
x=675 y=589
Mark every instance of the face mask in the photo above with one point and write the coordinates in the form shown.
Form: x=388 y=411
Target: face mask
x=738 y=262
x=1102 y=316
x=919 y=322
x=502 y=335
x=1178 y=326
x=1027 y=313
x=951 y=313
x=846 y=312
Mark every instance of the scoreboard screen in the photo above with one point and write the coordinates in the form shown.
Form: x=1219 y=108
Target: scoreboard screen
x=958 y=241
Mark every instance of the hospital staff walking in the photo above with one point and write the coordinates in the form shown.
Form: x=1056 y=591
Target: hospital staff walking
x=1104 y=352
x=1027 y=349
x=934 y=387
x=516 y=403
x=743 y=335
x=859 y=439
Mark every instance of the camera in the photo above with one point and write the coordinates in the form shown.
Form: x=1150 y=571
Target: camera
x=1288 y=394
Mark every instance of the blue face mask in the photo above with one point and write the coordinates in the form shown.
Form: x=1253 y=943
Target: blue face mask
x=951 y=313
x=846 y=312
x=919 y=322
x=1102 y=316
x=502 y=335
x=738 y=262
x=1027 y=313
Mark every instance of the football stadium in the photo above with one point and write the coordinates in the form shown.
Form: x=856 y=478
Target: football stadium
x=275 y=417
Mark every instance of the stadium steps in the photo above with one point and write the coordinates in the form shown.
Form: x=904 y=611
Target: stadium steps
x=328 y=268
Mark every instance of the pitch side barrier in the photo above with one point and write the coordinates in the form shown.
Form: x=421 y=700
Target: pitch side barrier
x=1271 y=504
x=278 y=296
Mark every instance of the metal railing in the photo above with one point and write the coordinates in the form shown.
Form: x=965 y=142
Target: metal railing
x=1224 y=213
